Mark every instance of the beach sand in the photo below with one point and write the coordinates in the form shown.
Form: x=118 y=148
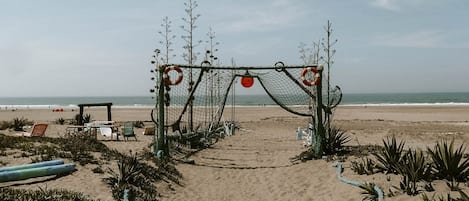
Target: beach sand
x=255 y=163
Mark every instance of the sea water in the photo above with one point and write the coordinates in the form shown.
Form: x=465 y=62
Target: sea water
x=403 y=99
x=365 y=99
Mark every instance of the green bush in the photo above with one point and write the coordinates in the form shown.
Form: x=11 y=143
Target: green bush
x=10 y=194
x=86 y=118
x=98 y=170
x=390 y=156
x=45 y=153
x=17 y=124
x=80 y=149
x=60 y=121
x=4 y=125
x=448 y=162
x=76 y=148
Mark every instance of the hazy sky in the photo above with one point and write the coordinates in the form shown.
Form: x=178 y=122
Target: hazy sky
x=103 y=47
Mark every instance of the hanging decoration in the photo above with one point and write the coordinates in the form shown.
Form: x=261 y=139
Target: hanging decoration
x=247 y=80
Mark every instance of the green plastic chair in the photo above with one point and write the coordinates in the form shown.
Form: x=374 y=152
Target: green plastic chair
x=129 y=130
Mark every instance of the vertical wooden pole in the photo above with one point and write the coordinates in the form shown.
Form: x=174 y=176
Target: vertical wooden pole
x=109 y=116
x=160 y=146
x=318 y=147
x=80 y=119
x=191 y=105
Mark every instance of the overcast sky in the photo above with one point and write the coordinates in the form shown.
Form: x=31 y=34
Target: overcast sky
x=103 y=47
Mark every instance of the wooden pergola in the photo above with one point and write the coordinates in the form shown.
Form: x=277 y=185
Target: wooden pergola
x=108 y=105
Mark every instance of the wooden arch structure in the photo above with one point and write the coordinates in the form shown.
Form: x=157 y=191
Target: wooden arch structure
x=108 y=105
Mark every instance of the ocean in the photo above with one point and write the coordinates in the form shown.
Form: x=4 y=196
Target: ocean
x=365 y=99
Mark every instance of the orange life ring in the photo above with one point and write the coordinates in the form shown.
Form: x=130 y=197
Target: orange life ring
x=317 y=76
x=168 y=81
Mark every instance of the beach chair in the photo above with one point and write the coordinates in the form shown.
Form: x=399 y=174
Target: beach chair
x=149 y=131
x=129 y=130
x=38 y=130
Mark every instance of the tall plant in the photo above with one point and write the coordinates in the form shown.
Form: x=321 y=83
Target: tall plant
x=190 y=20
x=306 y=54
x=212 y=47
x=327 y=45
x=214 y=78
x=168 y=37
x=190 y=56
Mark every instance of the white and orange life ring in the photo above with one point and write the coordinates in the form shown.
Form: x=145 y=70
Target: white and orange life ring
x=166 y=78
x=317 y=76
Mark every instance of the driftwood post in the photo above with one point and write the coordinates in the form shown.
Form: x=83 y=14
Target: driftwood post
x=80 y=119
x=318 y=147
x=160 y=145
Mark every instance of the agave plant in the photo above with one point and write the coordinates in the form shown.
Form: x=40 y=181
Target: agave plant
x=134 y=176
x=413 y=168
x=464 y=197
x=369 y=192
x=18 y=123
x=127 y=177
x=390 y=155
x=364 y=166
x=448 y=162
x=129 y=171
x=335 y=140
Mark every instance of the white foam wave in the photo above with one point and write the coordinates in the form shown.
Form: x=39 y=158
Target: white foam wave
x=144 y=106
x=12 y=107
x=408 y=104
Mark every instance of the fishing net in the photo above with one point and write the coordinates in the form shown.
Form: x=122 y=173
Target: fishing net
x=209 y=91
x=211 y=87
x=285 y=89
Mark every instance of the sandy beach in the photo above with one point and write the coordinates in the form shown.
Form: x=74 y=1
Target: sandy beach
x=256 y=162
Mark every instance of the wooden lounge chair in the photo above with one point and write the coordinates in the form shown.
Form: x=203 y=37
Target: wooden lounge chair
x=38 y=130
x=129 y=130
